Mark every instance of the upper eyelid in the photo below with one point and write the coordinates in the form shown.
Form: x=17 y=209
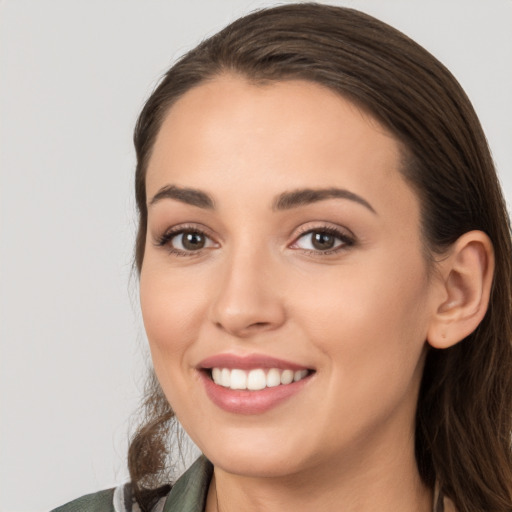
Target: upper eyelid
x=189 y=226
x=326 y=226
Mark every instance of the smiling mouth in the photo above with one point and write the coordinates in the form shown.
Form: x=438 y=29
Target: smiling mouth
x=255 y=379
x=251 y=384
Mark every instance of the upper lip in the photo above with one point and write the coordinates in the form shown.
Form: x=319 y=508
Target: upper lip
x=248 y=362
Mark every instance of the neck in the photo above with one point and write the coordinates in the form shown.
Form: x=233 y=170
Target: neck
x=388 y=482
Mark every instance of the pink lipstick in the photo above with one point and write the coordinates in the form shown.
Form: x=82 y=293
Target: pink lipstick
x=251 y=384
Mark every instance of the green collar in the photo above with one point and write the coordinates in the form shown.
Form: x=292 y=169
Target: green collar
x=189 y=493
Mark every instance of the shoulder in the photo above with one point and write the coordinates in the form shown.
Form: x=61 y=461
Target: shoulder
x=118 y=499
x=102 y=501
x=188 y=494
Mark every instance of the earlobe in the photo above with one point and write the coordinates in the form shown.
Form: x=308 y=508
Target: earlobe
x=465 y=281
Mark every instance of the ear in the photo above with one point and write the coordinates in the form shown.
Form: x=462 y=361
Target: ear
x=465 y=281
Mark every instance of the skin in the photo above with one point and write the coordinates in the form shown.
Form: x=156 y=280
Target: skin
x=359 y=316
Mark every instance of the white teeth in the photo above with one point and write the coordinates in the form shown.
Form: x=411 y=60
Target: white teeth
x=256 y=379
x=299 y=375
x=238 y=379
x=216 y=375
x=273 y=378
x=287 y=377
x=225 y=378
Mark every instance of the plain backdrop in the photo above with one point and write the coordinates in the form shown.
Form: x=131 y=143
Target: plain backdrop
x=73 y=76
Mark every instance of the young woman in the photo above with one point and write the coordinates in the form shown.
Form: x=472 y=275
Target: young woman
x=325 y=266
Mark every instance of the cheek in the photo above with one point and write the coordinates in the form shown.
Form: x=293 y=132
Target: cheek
x=372 y=337
x=371 y=321
x=170 y=310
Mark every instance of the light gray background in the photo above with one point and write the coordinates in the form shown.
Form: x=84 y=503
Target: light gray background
x=73 y=76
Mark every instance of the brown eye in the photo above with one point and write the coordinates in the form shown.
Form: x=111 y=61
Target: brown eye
x=186 y=241
x=192 y=241
x=322 y=241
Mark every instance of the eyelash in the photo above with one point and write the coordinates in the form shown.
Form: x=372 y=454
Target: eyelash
x=346 y=240
x=165 y=239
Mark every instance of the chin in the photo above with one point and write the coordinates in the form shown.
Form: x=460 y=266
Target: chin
x=263 y=454
x=255 y=465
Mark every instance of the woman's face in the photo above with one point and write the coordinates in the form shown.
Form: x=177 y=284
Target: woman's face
x=284 y=243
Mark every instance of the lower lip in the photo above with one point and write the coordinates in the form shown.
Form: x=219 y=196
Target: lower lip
x=250 y=402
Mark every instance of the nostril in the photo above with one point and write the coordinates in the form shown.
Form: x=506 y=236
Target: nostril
x=255 y=325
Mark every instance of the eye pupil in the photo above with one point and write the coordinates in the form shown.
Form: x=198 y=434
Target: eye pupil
x=193 y=241
x=323 y=241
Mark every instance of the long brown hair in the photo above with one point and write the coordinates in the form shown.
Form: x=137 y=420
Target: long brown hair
x=464 y=414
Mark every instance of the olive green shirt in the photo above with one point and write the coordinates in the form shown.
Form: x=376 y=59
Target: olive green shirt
x=188 y=494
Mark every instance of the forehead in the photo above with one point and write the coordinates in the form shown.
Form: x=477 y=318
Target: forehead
x=280 y=135
x=279 y=110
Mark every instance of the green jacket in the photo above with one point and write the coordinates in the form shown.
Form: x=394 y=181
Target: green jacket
x=188 y=494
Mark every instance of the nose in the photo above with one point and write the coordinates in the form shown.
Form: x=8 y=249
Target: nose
x=248 y=301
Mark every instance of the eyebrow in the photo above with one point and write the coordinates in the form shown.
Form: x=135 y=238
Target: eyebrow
x=185 y=195
x=285 y=201
x=302 y=197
